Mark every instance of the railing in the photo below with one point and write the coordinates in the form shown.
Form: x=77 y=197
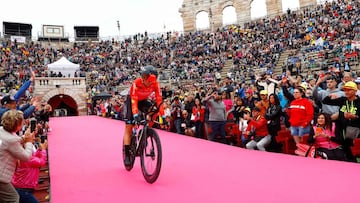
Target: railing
x=57 y=82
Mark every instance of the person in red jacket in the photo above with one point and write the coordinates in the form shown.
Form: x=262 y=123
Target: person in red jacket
x=142 y=89
x=257 y=130
x=301 y=113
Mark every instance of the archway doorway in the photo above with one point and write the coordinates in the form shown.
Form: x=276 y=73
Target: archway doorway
x=202 y=20
x=229 y=16
x=63 y=105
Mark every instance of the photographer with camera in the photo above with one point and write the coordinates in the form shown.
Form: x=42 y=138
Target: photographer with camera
x=257 y=130
x=176 y=109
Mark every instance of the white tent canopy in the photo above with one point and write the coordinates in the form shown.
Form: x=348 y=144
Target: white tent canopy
x=64 y=66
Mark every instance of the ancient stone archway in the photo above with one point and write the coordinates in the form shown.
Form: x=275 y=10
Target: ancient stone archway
x=190 y=8
x=79 y=105
x=71 y=90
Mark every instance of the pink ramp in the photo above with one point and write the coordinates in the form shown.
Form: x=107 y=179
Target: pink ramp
x=86 y=166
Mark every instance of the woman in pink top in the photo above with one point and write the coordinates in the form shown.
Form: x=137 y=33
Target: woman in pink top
x=227 y=102
x=322 y=134
x=26 y=176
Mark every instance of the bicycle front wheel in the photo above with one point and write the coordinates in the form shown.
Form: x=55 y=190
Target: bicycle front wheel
x=151 y=156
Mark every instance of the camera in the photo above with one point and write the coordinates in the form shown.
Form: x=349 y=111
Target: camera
x=33 y=123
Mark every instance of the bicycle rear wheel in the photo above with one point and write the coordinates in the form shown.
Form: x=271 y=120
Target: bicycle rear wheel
x=151 y=156
x=132 y=154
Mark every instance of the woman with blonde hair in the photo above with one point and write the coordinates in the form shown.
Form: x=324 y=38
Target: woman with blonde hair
x=12 y=149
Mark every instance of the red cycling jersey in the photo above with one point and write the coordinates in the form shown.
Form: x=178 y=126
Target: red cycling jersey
x=139 y=91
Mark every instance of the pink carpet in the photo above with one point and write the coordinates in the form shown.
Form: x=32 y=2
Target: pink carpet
x=86 y=166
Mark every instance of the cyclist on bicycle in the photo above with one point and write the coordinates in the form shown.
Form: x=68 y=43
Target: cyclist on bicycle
x=140 y=91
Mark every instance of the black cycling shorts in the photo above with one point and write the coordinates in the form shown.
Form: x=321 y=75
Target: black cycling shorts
x=127 y=113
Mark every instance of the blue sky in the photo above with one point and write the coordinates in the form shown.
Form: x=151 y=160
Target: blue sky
x=134 y=15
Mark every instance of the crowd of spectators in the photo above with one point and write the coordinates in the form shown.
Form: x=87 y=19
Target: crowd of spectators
x=322 y=60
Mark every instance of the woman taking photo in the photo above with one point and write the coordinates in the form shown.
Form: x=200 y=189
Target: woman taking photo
x=322 y=135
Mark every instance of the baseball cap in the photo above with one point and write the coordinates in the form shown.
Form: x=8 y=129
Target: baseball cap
x=304 y=85
x=7 y=99
x=350 y=85
x=263 y=92
x=247 y=109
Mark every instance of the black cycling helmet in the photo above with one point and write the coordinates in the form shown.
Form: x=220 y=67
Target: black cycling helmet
x=149 y=69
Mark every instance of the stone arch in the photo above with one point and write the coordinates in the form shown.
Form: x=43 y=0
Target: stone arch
x=80 y=103
x=199 y=19
x=227 y=12
x=62 y=91
x=190 y=8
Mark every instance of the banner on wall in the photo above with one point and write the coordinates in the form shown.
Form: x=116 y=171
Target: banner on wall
x=19 y=39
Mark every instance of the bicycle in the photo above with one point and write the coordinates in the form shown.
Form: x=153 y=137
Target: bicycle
x=145 y=143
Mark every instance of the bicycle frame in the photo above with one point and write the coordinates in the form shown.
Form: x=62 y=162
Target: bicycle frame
x=141 y=135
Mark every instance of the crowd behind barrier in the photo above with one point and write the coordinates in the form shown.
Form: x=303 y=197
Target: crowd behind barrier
x=321 y=45
x=253 y=107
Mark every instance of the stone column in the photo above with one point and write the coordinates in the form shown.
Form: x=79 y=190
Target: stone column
x=243 y=11
x=188 y=16
x=274 y=7
x=216 y=21
x=305 y=3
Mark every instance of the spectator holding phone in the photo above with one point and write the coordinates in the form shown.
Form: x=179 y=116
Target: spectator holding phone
x=217 y=115
x=26 y=176
x=322 y=134
x=12 y=149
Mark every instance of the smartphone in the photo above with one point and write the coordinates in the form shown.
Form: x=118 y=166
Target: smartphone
x=42 y=139
x=32 y=125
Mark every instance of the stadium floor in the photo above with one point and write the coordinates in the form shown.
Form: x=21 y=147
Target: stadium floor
x=85 y=160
